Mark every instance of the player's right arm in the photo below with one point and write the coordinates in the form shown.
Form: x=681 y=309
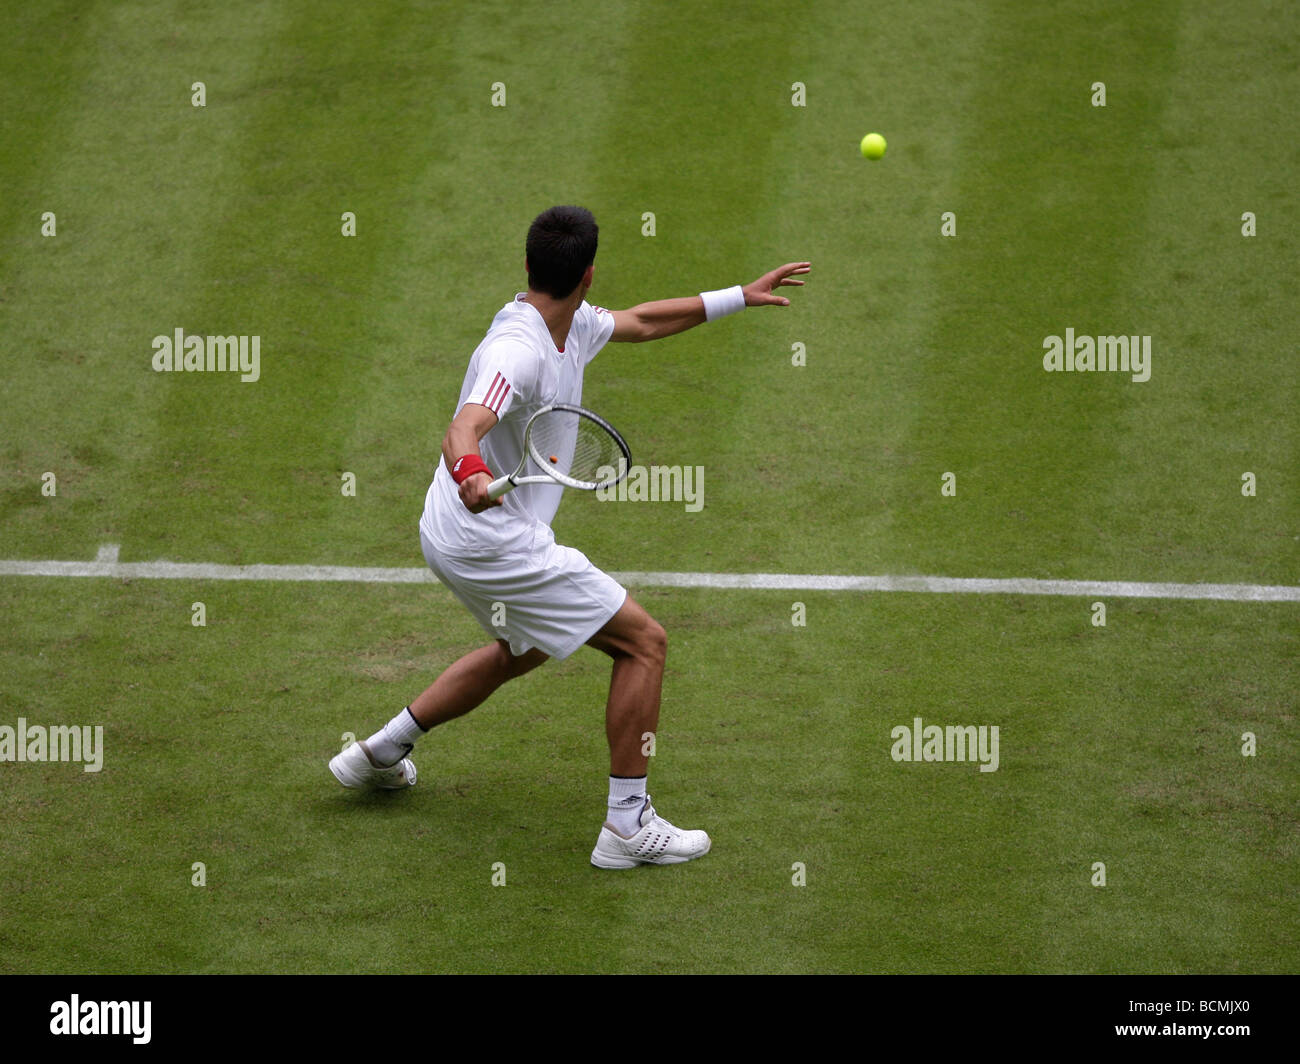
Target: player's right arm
x=470 y=425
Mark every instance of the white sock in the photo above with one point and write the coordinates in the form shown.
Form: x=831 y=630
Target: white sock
x=395 y=739
x=626 y=800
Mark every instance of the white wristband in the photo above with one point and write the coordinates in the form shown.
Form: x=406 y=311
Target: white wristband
x=723 y=302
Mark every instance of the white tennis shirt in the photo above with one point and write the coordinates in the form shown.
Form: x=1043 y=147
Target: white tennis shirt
x=515 y=371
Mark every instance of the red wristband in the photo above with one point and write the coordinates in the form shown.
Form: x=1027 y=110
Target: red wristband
x=466 y=466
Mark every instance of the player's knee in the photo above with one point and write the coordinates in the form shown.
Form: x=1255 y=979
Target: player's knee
x=652 y=643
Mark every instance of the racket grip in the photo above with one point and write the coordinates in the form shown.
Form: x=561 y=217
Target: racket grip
x=499 y=487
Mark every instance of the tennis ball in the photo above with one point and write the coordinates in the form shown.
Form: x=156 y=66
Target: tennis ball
x=873 y=146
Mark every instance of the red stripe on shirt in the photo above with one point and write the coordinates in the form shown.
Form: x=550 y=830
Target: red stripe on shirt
x=501 y=399
x=491 y=395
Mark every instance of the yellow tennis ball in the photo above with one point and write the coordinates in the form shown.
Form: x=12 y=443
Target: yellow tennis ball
x=873 y=146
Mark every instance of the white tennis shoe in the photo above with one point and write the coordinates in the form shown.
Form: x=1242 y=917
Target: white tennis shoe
x=354 y=767
x=658 y=842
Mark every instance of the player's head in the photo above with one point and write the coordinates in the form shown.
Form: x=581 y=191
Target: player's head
x=561 y=248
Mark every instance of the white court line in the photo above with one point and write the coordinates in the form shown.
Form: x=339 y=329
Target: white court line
x=107 y=565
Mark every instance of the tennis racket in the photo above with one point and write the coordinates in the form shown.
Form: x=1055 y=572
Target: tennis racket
x=572 y=447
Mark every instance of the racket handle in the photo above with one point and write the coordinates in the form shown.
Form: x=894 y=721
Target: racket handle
x=499 y=487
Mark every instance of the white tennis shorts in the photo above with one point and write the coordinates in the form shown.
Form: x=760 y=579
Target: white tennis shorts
x=548 y=596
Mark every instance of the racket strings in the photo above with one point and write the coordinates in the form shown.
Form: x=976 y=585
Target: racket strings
x=596 y=454
x=576 y=447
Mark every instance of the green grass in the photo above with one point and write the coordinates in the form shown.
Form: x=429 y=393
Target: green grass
x=924 y=354
x=1118 y=745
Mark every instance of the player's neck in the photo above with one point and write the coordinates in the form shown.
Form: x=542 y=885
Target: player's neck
x=557 y=313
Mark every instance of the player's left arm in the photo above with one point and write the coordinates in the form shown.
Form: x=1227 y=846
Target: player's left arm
x=664 y=317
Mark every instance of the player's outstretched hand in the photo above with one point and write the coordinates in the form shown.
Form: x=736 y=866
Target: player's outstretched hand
x=474 y=493
x=759 y=293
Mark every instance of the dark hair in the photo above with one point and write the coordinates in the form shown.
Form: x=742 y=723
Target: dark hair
x=561 y=245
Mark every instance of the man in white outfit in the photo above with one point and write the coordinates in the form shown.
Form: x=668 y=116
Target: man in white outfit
x=536 y=598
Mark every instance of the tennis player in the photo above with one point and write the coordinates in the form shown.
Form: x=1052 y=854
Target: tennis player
x=535 y=598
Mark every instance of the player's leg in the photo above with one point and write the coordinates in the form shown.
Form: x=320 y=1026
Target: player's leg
x=634 y=833
x=469 y=681
x=639 y=646
x=381 y=760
